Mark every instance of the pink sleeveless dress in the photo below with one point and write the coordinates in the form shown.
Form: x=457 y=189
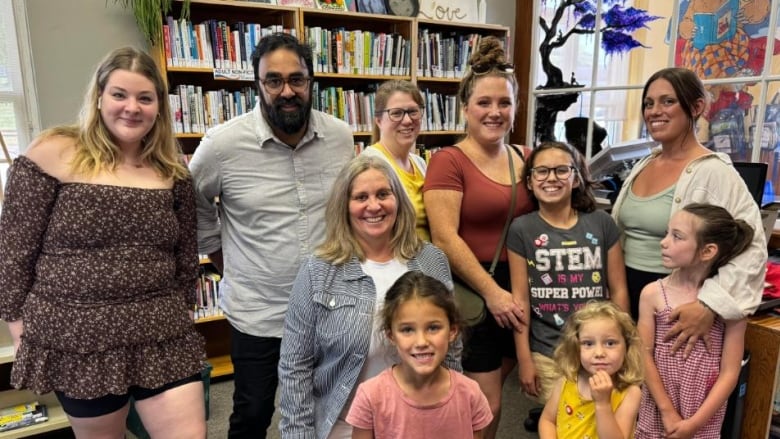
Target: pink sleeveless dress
x=687 y=381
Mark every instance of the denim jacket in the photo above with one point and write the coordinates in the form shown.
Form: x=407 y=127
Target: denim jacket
x=326 y=338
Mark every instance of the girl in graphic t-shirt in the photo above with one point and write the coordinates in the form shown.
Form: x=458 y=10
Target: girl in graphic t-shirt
x=561 y=255
x=418 y=397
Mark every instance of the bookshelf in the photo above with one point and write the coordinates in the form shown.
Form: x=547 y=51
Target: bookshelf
x=10 y=396
x=193 y=72
x=353 y=53
x=762 y=339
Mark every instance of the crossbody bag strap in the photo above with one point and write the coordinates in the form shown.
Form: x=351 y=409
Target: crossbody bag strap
x=508 y=217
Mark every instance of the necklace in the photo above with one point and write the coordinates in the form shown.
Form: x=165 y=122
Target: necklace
x=568 y=222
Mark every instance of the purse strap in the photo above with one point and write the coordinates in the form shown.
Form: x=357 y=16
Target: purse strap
x=509 y=216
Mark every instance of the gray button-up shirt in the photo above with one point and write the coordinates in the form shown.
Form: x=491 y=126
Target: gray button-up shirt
x=271 y=210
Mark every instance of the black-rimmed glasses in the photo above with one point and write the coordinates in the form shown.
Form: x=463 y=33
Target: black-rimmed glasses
x=540 y=173
x=275 y=84
x=485 y=67
x=397 y=114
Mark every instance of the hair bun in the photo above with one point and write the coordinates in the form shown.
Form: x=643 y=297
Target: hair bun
x=490 y=50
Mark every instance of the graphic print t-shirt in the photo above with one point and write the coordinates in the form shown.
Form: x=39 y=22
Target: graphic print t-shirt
x=566 y=269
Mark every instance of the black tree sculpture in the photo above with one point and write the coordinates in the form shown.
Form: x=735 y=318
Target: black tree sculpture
x=618 y=24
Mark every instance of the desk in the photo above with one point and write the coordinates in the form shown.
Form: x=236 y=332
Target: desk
x=762 y=339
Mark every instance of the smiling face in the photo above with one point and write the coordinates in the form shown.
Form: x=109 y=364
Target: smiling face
x=402 y=134
x=665 y=118
x=679 y=247
x=421 y=332
x=128 y=107
x=552 y=190
x=373 y=209
x=287 y=110
x=490 y=110
x=602 y=346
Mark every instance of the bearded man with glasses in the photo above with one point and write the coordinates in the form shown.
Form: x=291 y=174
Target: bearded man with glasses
x=272 y=170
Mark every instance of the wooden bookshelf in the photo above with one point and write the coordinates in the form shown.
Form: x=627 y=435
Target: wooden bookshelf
x=762 y=339
x=303 y=21
x=10 y=396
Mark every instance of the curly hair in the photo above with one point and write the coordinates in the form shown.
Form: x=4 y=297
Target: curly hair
x=567 y=353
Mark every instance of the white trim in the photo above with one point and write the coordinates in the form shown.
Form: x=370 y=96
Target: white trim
x=28 y=71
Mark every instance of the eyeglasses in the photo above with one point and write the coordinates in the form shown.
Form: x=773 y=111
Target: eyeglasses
x=486 y=67
x=540 y=173
x=275 y=84
x=397 y=114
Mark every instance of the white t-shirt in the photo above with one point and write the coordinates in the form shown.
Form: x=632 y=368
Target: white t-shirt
x=381 y=354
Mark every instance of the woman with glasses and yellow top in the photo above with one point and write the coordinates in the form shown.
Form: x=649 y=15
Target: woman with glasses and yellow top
x=399 y=108
x=467 y=194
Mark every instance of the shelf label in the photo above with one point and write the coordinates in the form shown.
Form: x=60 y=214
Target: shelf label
x=235 y=74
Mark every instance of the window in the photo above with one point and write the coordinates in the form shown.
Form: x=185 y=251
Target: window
x=727 y=51
x=14 y=121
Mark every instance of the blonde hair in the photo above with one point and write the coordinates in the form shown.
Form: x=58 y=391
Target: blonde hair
x=340 y=243
x=567 y=354
x=96 y=150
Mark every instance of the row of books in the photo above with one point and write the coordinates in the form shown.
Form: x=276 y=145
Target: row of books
x=356 y=108
x=358 y=51
x=444 y=54
x=194 y=111
x=213 y=43
x=208 y=294
x=22 y=415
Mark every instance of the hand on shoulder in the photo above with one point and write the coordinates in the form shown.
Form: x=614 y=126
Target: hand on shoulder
x=53 y=153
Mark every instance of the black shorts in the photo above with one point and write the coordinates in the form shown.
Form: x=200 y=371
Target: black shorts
x=486 y=345
x=103 y=405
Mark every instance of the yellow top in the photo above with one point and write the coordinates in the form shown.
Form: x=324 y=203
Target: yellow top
x=413 y=183
x=576 y=417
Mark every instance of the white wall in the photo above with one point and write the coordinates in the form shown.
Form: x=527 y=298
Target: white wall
x=68 y=39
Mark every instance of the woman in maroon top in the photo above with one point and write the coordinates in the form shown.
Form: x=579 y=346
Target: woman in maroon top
x=467 y=197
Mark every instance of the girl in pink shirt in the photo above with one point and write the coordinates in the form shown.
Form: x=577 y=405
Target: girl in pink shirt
x=418 y=396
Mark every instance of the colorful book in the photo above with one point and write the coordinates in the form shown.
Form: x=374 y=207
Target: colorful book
x=716 y=27
x=22 y=415
x=332 y=5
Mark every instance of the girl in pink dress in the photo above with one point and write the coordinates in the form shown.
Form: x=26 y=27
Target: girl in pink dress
x=685 y=397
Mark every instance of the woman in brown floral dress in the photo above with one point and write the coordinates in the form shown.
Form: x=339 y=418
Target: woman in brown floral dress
x=98 y=262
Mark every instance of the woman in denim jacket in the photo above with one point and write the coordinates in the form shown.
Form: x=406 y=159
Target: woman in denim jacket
x=331 y=340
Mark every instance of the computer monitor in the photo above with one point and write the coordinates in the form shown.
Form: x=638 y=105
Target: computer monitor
x=619 y=158
x=754 y=175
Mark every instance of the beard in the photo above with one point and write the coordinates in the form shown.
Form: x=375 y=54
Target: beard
x=290 y=122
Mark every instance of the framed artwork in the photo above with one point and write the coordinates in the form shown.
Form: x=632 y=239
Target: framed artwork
x=334 y=5
x=371 y=6
x=303 y=3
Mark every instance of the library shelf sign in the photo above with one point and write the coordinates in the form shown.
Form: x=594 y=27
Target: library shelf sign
x=466 y=11
x=234 y=74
